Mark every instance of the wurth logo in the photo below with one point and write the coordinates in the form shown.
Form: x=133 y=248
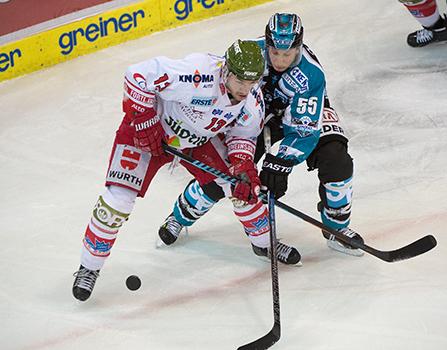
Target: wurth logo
x=129 y=159
x=119 y=175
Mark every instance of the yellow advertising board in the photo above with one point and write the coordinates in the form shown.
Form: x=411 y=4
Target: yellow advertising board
x=106 y=29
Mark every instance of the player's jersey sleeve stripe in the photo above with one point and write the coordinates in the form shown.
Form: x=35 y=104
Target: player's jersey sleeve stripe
x=145 y=99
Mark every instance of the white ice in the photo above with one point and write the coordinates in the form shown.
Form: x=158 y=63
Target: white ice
x=210 y=291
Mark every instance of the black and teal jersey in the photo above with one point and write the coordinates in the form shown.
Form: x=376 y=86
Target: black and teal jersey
x=295 y=98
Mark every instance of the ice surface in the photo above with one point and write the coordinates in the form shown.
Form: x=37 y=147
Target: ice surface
x=210 y=291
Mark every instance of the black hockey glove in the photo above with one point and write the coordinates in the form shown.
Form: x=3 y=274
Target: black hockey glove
x=274 y=174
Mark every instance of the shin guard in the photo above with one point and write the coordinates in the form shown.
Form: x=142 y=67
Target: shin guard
x=110 y=212
x=254 y=218
x=336 y=198
x=192 y=204
x=425 y=11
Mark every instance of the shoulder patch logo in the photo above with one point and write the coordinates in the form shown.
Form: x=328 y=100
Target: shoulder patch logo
x=141 y=81
x=301 y=79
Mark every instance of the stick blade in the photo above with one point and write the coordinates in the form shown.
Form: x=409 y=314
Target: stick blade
x=416 y=248
x=264 y=342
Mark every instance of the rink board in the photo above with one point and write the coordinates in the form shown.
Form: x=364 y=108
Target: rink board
x=106 y=29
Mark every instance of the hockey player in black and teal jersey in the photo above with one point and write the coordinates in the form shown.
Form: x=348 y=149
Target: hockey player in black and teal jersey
x=299 y=115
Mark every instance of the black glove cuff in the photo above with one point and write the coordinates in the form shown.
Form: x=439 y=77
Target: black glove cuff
x=276 y=165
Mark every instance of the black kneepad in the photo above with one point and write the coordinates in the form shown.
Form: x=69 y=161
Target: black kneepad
x=333 y=162
x=213 y=191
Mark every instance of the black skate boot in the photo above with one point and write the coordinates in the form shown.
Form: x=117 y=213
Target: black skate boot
x=169 y=231
x=335 y=244
x=84 y=282
x=341 y=214
x=428 y=35
x=286 y=254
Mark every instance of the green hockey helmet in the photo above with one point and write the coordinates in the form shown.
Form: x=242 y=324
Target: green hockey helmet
x=244 y=59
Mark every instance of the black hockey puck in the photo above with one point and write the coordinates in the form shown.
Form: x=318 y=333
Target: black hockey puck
x=133 y=282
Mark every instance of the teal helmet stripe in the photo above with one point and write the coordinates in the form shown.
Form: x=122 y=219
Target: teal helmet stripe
x=284 y=31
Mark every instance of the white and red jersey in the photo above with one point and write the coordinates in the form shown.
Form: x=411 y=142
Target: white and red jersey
x=190 y=96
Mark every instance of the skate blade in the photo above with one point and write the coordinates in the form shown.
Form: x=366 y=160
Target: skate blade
x=334 y=245
x=265 y=259
x=159 y=244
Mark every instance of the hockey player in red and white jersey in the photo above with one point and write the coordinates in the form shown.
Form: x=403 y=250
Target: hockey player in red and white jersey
x=427 y=14
x=209 y=106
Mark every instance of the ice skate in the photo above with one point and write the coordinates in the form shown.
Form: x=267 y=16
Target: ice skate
x=428 y=35
x=286 y=254
x=169 y=231
x=343 y=247
x=84 y=283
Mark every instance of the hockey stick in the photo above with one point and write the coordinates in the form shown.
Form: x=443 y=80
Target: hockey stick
x=411 y=250
x=273 y=336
